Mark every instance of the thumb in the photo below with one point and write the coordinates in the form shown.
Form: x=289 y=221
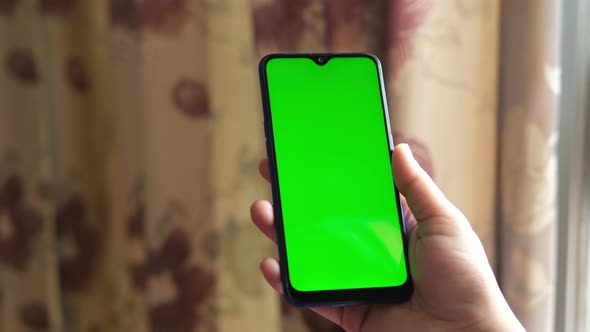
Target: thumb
x=424 y=198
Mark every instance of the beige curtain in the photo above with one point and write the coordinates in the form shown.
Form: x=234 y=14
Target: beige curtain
x=130 y=133
x=528 y=160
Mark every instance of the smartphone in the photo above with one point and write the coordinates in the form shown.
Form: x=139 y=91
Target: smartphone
x=340 y=229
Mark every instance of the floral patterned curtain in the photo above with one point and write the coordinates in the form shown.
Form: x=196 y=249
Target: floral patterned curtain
x=130 y=133
x=528 y=160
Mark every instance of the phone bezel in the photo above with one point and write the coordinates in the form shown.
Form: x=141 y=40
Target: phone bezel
x=380 y=295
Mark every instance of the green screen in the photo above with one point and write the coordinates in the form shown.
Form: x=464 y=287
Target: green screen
x=340 y=219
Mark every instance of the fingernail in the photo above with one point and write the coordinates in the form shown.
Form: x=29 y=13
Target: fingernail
x=406 y=148
x=409 y=150
x=409 y=153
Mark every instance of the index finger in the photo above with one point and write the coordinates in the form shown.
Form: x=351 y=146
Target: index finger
x=264 y=170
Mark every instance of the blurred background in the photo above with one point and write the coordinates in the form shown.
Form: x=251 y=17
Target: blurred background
x=131 y=130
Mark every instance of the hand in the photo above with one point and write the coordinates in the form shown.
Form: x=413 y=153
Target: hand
x=455 y=288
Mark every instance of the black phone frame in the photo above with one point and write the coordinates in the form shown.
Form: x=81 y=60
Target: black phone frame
x=360 y=296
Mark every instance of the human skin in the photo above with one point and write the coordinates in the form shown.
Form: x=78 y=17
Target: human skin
x=455 y=287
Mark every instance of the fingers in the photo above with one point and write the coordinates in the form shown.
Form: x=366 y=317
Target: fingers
x=271 y=271
x=423 y=196
x=264 y=169
x=262 y=215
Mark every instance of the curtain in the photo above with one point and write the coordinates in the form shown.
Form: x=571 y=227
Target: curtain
x=528 y=161
x=130 y=133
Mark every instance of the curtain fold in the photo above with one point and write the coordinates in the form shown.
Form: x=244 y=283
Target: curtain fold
x=130 y=135
x=528 y=162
